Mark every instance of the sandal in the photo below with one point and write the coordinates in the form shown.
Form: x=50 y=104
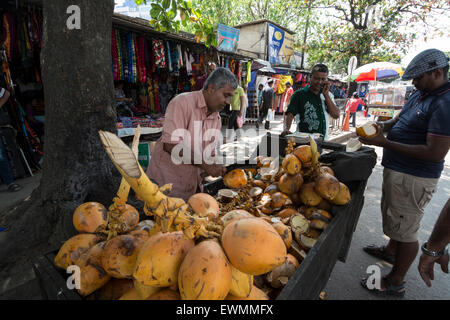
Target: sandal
x=14 y=187
x=379 y=252
x=391 y=290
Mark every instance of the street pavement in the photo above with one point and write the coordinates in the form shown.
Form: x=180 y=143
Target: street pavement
x=344 y=280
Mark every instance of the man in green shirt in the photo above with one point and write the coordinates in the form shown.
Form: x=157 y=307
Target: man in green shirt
x=236 y=103
x=314 y=104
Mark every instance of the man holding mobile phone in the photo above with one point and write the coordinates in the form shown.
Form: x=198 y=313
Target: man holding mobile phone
x=314 y=104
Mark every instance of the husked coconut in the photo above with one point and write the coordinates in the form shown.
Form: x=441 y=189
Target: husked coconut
x=92 y=274
x=113 y=289
x=295 y=198
x=290 y=184
x=308 y=196
x=141 y=235
x=160 y=258
x=343 y=197
x=253 y=246
x=286 y=213
x=241 y=283
x=367 y=130
x=235 y=179
x=299 y=223
x=234 y=214
x=255 y=294
x=120 y=254
x=266 y=200
x=318 y=224
x=327 y=186
x=259 y=183
x=279 y=276
x=284 y=232
x=129 y=217
x=71 y=251
x=353 y=145
x=271 y=189
x=303 y=152
x=315 y=213
x=90 y=217
x=309 y=239
x=324 y=205
x=279 y=200
x=205 y=273
x=326 y=169
x=204 y=205
x=291 y=164
x=255 y=192
x=131 y=294
x=226 y=195
x=143 y=290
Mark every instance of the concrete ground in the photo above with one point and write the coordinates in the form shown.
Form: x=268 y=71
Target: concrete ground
x=344 y=280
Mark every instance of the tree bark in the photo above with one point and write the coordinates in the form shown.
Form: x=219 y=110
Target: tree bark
x=79 y=101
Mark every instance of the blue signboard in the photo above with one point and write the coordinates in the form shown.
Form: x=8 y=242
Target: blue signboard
x=276 y=38
x=227 y=38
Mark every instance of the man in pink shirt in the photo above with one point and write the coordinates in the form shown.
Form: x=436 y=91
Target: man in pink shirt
x=352 y=106
x=190 y=134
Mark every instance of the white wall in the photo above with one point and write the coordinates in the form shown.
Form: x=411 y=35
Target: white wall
x=252 y=41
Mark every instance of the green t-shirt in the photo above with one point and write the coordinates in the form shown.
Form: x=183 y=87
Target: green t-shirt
x=309 y=107
x=236 y=98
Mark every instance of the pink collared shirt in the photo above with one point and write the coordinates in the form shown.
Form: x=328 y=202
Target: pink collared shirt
x=186 y=111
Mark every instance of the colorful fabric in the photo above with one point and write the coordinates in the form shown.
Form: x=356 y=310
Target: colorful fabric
x=282 y=83
x=159 y=56
x=7 y=35
x=169 y=56
x=114 y=53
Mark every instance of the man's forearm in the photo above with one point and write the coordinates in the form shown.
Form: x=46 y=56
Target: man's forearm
x=440 y=236
x=289 y=118
x=331 y=107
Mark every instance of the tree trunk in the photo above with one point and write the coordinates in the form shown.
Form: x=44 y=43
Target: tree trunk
x=78 y=89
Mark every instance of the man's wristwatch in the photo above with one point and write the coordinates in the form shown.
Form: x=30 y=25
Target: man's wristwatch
x=433 y=253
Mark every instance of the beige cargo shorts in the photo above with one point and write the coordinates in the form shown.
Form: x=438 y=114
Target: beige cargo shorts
x=403 y=200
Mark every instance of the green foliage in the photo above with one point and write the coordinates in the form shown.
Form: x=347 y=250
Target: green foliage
x=350 y=32
x=173 y=15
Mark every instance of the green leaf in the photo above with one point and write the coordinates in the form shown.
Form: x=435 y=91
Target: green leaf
x=154 y=13
x=166 y=4
x=171 y=15
x=157 y=6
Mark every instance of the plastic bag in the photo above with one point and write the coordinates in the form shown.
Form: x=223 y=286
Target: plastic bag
x=270 y=115
x=345 y=163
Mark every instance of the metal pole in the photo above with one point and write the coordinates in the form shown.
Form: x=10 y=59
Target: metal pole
x=26 y=162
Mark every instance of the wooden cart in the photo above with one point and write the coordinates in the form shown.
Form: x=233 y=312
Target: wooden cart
x=314 y=271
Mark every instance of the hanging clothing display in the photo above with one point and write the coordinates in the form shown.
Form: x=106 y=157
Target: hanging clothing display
x=159 y=54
